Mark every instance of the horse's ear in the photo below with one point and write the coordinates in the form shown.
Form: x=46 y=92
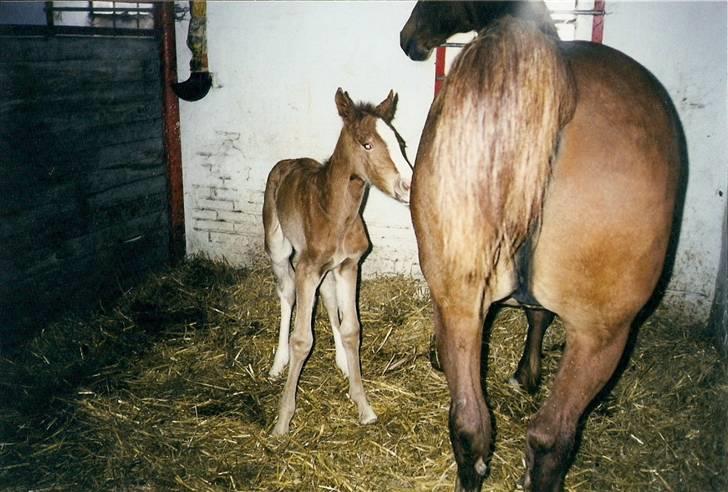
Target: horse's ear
x=388 y=107
x=344 y=104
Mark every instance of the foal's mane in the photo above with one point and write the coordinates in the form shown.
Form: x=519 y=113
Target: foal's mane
x=363 y=109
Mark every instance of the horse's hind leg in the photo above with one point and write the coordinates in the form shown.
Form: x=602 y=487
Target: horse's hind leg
x=528 y=374
x=279 y=250
x=328 y=294
x=587 y=365
x=346 y=279
x=458 y=331
x=307 y=281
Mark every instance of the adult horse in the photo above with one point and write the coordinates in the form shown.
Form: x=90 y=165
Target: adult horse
x=546 y=176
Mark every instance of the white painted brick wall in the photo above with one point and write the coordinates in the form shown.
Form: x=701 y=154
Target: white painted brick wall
x=277 y=65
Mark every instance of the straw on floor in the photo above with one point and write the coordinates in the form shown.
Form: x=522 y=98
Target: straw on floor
x=168 y=390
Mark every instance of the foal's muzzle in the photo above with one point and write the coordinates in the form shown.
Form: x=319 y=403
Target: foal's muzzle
x=402 y=191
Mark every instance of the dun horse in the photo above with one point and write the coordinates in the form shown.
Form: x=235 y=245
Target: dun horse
x=314 y=234
x=546 y=177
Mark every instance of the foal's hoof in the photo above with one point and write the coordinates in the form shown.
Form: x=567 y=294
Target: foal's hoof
x=277 y=370
x=280 y=429
x=367 y=417
x=343 y=367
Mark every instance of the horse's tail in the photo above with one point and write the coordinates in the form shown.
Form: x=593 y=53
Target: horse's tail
x=503 y=104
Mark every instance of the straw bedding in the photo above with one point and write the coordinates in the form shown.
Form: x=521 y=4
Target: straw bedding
x=168 y=389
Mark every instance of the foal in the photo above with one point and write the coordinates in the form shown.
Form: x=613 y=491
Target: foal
x=314 y=234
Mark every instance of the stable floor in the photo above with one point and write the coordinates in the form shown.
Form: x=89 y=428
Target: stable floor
x=168 y=389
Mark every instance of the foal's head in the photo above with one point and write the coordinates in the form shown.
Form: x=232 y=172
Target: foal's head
x=371 y=144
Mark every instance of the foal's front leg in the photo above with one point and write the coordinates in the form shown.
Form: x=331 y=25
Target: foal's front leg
x=346 y=278
x=307 y=280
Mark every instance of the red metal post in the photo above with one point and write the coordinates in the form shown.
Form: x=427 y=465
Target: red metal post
x=439 y=68
x=173 y=148
x=598 y=21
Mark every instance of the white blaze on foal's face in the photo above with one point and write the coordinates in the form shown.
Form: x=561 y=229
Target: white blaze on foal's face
x=395 y=148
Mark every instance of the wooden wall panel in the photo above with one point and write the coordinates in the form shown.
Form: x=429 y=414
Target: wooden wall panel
x=83 y=186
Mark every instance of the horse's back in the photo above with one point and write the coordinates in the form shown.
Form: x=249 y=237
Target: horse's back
x=608 y=213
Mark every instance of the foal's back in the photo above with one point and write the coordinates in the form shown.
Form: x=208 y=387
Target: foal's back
x=292 y=186
x=294 y=201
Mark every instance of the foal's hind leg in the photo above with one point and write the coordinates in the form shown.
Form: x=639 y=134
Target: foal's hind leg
x=279 y=249
x=346 y=279
x=307 y=280
x=328 y=294
x=590 y=358
x=528 y=373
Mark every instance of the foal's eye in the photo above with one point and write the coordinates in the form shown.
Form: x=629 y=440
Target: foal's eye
x=367 y=146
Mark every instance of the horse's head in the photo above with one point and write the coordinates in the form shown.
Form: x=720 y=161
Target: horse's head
x=375 y=144
x=432 y=22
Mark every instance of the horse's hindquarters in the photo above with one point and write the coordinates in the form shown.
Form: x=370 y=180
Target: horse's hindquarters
x=607 y=216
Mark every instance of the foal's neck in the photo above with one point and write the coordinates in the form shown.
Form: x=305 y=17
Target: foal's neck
x=343 y=186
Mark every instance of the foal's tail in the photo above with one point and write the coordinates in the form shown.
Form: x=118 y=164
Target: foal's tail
x=501 y=109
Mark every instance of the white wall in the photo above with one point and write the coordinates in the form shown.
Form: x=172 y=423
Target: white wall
x=684 y=45
x=277 y=65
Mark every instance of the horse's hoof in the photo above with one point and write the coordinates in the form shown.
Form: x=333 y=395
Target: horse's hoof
x=480 y=467
x=529 y=387
x=434 y=356
x=525 y=482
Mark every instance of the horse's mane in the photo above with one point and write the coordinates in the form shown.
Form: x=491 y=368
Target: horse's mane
x=485 y=13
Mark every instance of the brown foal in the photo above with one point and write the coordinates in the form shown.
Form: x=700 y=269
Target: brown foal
x=315 y=235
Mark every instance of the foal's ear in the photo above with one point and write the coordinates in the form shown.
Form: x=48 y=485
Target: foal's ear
x=388 y=107
x=344 y=104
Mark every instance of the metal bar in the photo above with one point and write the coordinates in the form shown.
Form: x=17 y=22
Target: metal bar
x=96 y=10
x=30 y=30
x=598 y=22
x=594 y=11
x=164 y=19
x=49 y=14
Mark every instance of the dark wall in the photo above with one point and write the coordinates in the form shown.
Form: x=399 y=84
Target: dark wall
x=83 y=193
